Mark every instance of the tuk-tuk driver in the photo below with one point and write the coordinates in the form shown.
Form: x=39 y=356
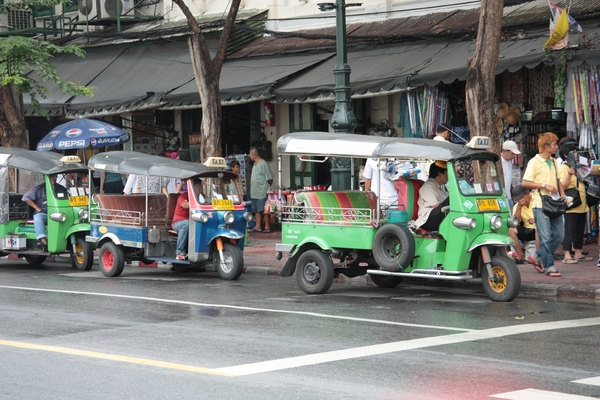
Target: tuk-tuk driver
x=433 y=197
x=37 y=199
x=181 y=224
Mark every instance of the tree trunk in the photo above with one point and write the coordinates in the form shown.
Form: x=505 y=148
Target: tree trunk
x=207 y=79
x=13 y=132
x=207 y=72
x=481 y=73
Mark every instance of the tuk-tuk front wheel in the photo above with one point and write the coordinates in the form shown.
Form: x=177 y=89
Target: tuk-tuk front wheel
x=82 y=257
x=393 y=247
x=111 y=260
x=506 y=282
x=314 y=272
x=233 y=262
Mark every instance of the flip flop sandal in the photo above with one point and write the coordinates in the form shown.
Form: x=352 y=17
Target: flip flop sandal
x=535 y=264
x=255 y=231
x=517 y=261
x=554 y=274
x=584 y=258
x=569 y=261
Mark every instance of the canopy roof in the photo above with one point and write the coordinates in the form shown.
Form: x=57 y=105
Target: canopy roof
x=37 y=161
x=133 y=162
x=361 y=146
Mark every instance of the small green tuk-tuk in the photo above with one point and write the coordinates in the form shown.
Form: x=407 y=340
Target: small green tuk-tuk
x=351 y=233
x=67 y=191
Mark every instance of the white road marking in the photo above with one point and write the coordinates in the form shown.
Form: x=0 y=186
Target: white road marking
x=310 y=314
x=467 y=335
x=338 y=355
x=589 y=381
x=528 y=394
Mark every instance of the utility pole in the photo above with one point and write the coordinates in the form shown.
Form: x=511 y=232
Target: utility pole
x=343 y=119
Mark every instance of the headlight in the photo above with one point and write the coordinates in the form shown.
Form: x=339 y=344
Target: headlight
x=464 y=223
x=200 y=217
x=228 y=217
x=58 y=217
x=83 y=214
x=248 y=216
x=513 y=221
x=496 y=222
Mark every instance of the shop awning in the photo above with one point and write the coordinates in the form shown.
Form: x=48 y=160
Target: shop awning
x=134 y=78
x=393 y=68
x=74 y=69
x=246 y=80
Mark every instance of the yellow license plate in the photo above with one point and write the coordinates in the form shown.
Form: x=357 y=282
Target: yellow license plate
x=78 y=201
x=488 y=205
x=222 y=204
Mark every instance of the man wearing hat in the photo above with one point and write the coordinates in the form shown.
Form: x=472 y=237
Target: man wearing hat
x=433 y=197
x=526 y=230
x=509 y=151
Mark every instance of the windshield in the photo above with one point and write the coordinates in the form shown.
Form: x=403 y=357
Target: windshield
x=70 y=184
x=477 y=177
x=207 y=189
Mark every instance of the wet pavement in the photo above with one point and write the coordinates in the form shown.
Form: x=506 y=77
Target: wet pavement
x=579 y=281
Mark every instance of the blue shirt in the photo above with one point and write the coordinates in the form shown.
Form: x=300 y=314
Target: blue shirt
x=38 y=195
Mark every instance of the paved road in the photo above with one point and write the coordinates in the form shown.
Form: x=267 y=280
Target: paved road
x=158 y=334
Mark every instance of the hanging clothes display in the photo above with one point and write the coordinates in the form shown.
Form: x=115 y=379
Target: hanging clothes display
x=422 y=110
x=582 y=99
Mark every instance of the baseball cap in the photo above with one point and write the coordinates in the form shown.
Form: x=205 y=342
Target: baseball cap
x=441 y=164
x=519 y=191
x=512 y=146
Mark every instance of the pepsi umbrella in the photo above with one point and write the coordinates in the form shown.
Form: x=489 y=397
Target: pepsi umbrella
x=81 y=133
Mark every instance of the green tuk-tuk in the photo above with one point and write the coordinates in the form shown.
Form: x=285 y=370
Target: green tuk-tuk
x=327 y=233
x=67 y=187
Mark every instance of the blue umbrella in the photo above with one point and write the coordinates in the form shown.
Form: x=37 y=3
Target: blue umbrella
x=81 y=133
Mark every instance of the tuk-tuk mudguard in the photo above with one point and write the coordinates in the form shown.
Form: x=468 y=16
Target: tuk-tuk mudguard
x=85 y=227
x=490 y=239
x=125 y=235
x=226 y=233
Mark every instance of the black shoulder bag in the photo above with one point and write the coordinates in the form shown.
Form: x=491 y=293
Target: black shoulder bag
x=553 y=208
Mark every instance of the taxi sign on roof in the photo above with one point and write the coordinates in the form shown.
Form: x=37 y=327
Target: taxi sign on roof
x=216 y=162
x=70 y=159
x=479 y=142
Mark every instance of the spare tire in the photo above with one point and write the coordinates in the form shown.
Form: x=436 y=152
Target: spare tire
x=393 y=247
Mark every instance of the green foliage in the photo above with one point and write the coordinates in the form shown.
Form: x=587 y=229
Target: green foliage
x=28 y=5
x=26 y=63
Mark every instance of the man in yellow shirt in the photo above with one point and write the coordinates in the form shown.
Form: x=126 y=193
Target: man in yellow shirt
x=526 y=230
x=541 y=176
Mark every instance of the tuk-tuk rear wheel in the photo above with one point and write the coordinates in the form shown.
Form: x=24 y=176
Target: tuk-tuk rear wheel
x=508 y=286
x=234 y=262
x=111 y=259
x=34 y=260
x=386 y=281
x=314 y=272
x=83 y=256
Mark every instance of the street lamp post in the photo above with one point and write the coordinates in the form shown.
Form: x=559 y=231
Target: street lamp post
x=343 y=119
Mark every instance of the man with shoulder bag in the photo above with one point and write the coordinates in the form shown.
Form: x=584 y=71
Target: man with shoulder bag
x=549 y=206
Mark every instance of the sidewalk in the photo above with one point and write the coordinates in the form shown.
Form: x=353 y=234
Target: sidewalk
x=578 y=281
